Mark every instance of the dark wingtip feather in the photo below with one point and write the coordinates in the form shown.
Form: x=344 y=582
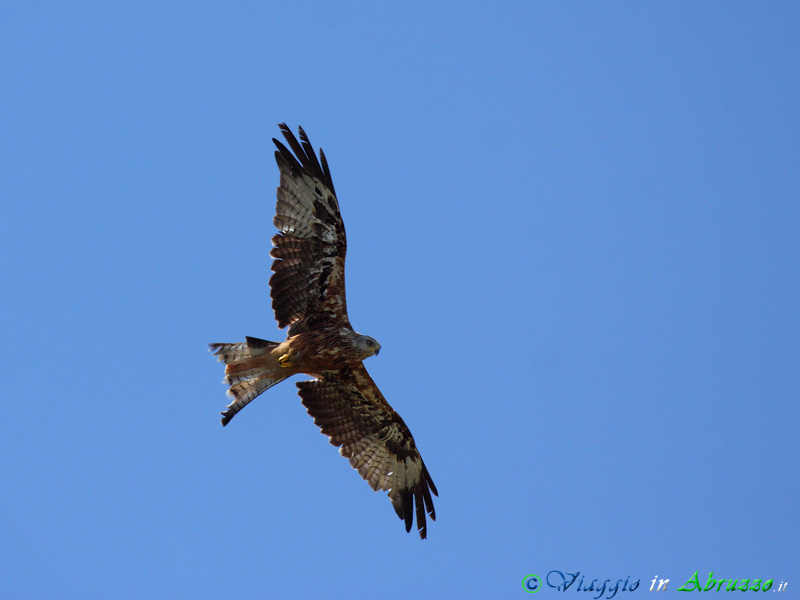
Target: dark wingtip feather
x=426 y=497
x=421 y=524
x=294 y=144
x=283 y=154
x=309 y=152
x=326 y=170
x=306 y=159
x=408 y=509
x=430 y=481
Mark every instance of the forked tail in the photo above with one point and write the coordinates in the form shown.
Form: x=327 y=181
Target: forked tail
x=246 y=372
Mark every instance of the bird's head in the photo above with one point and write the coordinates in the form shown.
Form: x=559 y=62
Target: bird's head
x=367 y=346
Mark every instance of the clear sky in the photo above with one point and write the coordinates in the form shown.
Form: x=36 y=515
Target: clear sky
x=573 y=227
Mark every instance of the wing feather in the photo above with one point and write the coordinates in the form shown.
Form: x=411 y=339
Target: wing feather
x=309 y=251
x=350 y=409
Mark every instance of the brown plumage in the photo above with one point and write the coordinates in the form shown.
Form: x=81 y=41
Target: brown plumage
x=308 y=297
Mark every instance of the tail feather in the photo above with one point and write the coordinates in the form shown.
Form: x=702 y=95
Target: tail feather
x=243 y=391
x=229 y=353
x=246 y=378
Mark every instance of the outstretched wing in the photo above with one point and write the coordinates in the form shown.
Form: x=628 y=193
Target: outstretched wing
x=352 y=412
x=308 y=283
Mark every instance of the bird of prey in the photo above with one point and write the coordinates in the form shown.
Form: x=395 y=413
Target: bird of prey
x=308 y=297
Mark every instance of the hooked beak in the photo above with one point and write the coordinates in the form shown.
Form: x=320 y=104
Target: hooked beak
x=377 y=350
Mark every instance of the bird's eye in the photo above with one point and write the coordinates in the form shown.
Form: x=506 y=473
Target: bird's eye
x=369 y=342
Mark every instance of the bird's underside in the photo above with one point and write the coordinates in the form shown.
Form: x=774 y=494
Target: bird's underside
x=308 y=297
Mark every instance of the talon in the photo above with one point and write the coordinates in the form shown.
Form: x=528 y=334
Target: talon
x=283 y=360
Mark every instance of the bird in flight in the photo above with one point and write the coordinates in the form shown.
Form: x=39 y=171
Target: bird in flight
x=308 y=297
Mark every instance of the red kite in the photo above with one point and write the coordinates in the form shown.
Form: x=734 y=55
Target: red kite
x=308 y=296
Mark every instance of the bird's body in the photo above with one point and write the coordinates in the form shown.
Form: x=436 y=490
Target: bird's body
x=310 y=352
x=308 y=297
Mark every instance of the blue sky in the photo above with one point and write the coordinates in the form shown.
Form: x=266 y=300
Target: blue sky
x=573 y=227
